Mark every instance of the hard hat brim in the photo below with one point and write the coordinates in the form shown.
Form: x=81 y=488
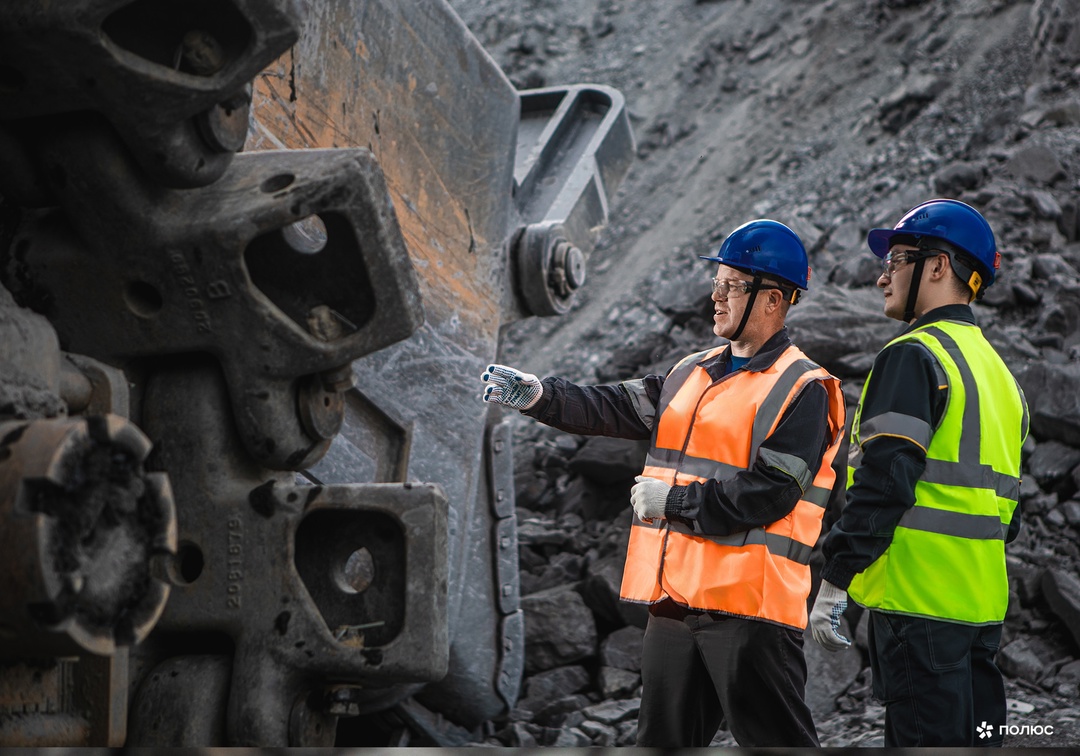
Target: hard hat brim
x=722 y=261
x=879 y=240
x=752 y=271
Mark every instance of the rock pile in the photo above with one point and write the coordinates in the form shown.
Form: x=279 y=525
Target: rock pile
x=834 y=117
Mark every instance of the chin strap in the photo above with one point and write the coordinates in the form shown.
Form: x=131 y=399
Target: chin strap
x=749 y=306
x=913 y=289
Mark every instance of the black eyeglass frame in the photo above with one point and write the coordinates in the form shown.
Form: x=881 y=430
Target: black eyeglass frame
x=746 y=286
x=910 y=256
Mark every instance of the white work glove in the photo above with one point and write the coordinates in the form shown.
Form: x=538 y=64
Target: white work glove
x=649 y=498
x=511 y=388
x=825 y=617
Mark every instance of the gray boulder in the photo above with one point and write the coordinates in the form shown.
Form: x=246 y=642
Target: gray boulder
x=904 y=104
x=1037 y=164
x=622 y=649
x=1062 y=591
x=609 y=460
x=835 y=322
x=953 y=179
x=1053 y=395
x=1051 y=465
x=600 y=589
x=616 y=683
x=559 y=629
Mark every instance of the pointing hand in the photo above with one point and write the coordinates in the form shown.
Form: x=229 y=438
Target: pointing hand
x=511 y=388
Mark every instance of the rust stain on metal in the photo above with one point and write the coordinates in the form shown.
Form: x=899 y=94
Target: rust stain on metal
x=439 y=233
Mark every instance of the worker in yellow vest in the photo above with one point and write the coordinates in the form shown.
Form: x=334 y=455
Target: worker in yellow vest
x=729 y=505
x=934 y=480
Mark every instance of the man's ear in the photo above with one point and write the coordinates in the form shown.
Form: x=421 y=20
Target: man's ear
x=942 y=266
x=775 y=301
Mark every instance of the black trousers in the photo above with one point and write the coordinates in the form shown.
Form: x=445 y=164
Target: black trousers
x=698 y=668
x=938 y=681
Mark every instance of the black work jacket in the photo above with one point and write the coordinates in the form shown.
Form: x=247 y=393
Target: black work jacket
x=752 y=498
x=905 y=380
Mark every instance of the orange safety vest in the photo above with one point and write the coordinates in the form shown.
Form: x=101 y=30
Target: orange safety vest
x=708 y=429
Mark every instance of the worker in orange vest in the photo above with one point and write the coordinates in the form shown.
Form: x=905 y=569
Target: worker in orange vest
x=729 y=505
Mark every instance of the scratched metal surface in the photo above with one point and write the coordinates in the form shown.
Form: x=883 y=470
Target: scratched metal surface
x=407 y=81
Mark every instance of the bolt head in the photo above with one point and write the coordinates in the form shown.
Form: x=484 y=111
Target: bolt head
x=575 y=268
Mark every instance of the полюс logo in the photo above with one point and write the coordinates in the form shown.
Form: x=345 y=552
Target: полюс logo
x=985 y=730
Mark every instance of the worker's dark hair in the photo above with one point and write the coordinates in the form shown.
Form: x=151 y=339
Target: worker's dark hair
x=963 y=264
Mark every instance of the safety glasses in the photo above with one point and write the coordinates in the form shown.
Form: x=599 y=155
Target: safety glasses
x=893 y=261
x=724 y=288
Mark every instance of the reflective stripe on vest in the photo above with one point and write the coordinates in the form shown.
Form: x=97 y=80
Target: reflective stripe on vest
x=762 y=572
x=947 y=556
x=777 y=545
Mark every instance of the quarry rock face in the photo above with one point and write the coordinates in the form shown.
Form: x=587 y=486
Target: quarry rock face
x=833 y=117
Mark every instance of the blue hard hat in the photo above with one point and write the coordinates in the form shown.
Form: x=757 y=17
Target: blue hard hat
x=768 y=247
x=943 y=220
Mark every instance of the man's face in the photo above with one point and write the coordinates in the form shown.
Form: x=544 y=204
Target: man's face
x=895 y=279
x=728 y=307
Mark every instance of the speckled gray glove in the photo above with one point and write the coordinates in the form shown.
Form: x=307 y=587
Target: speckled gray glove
x=511 y=388
x=825 y=617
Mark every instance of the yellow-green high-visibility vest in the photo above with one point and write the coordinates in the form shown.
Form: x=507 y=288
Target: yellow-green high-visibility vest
x=947 y=556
